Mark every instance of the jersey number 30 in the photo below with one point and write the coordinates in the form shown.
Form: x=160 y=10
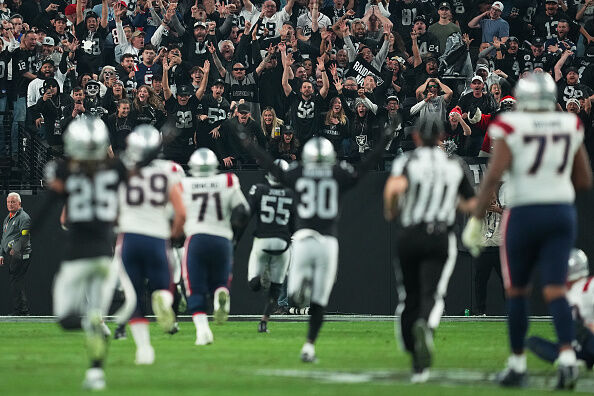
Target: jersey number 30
x=317 y=198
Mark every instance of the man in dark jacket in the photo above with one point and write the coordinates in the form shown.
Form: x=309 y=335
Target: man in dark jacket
x=233 y=153
x=15 y=249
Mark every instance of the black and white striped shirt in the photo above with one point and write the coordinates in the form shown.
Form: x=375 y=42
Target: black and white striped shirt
x=434 y=183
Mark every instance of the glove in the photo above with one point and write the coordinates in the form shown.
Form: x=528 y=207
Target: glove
x=471 y=236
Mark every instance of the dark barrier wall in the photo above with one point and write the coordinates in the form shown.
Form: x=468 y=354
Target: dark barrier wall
x=365 y=281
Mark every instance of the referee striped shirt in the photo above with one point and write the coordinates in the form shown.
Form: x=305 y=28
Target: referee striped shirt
x=434 y=183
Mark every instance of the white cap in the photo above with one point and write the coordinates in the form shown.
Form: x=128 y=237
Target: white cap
x=498 y=5
x=48 y=41
x=573 y=100
x=475 y=77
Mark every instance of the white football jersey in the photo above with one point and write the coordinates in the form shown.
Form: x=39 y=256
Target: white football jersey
x=209 y=202
x=144 y=200
x=273 y=24
x=581 y=296
x=543 y=146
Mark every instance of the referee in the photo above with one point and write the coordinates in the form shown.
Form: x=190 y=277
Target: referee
x=424 y=186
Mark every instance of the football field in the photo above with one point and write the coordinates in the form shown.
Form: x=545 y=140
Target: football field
x=354 y=358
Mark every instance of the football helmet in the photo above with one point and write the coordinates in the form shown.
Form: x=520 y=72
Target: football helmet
x=142 y=140
x=86 y=138
x=203 y=163
x=318 y=150
x=535 y=92
x=577 y=266
x=281 y=163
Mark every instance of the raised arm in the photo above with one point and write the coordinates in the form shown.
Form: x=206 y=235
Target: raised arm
x=447 y=91
x=202 y=88
x=559 y=65
x=475 y=22
x=287 y=62
x=289 y=7
x=104 y=10
x=325 y=82
x=415 y=49
x=79 y=12
x=166 y=67
x=216 y=60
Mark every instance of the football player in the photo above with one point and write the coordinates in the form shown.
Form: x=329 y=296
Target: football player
x=318 y=183
x=581 y=297
x=88 y=182
x=216 y=210
x=145 y=231
x=272 y=205
x=539 y=148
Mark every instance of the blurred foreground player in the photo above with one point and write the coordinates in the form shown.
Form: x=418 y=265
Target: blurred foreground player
x=88 y=182
x=145 y=231
x=426 y=187
x=542 y=152
x=318 y=183
x=272 y=205
x=216 y=209
x=581 y=298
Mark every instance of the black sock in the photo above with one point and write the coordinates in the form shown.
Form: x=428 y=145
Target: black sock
x=316 y=317
x=272 y=302
x=97 y=364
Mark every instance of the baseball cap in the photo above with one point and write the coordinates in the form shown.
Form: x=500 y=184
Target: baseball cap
x=138 y=33
x=444 y=4
x=200 y=24
x=482 y=66
x=392 y=97
x=50 y=82
x=91 y=14
x=185 y=90
x=498 y=5
x=244 y=108
x=119 y=82
x=538 y=41
x=551 y=1
x=475 y=77
x=48 y=61
x=420 y=18
x=571 y=69
x=573 y=100
x=218 y=81
x=47 y=40
x=61 y=16
x=513 y=38
x=287 y=129
x=93 y=82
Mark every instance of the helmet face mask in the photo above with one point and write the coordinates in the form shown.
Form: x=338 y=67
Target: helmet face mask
x=86 y=138
x=320 y=151
x=536 y=92
x=203 y=163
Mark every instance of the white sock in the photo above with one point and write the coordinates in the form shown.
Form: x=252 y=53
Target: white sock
x=140 y=333
x=200 y=320
x=167 y=296
x=567 y=357
x=517 y=363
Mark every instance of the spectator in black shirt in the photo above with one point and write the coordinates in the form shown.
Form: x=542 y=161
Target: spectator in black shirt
x=468 y=103
x=335 y=125
x=120 y=125
x=147 y=108
x=286 y=146
x=91 y=33
x=234 y=153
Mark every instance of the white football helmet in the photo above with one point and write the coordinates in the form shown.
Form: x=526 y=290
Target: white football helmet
x=536 y=92
x=318 y=150
x=203 y=163
x=86 y=138
x=578 y=265
x=272 y=180
x=143 y=139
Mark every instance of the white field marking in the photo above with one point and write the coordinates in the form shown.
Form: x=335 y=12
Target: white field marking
x=542 y=380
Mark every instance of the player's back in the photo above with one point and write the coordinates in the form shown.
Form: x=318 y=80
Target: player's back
x=273 y=207
x=318 y=189
x=91 y=204
x=144 y=200
x=209 y=203
x=543 y=146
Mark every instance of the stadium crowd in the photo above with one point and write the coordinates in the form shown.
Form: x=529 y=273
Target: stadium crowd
x=285 y=71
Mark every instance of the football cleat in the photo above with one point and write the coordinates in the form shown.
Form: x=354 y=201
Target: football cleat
x=263 y=327
x=120 y=332
x=511 y=378
x=145 y=355
x=161 y=302
x=423 y=347
x=420 y=377
x=222 y=305
x=204 y=335
x=567 y=377
x=308 y=353
x=94 y=379
x=174 y=329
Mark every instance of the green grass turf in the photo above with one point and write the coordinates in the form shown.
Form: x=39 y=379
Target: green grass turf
x=41 y=359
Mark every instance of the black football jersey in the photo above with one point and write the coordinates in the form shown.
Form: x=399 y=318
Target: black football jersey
x=273 y=208
x=90 y=192
x=318 y=190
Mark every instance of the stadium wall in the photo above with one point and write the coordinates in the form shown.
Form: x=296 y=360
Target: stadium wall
x=365 y=281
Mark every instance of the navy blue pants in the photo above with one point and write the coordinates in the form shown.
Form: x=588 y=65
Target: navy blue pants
x=206 y=267
x=537 y=236
x=145 y=257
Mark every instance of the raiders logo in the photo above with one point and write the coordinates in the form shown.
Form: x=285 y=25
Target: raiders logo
x=361 y=142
